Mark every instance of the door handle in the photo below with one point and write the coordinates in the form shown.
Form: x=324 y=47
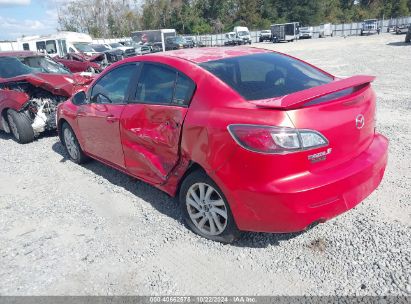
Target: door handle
x=111 y=119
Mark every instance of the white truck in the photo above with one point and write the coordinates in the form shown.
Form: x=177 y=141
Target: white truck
x=58 y=44
x=325 y=30
x=370 y=26
x=155 y=39
x=243 y=33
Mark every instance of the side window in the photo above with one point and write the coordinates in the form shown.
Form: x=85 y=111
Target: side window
x=184 y=90
x=112 y=87
x=156 y=85
x=51 y=47
x=41 y=45
x=26 y=47
x=71 y=50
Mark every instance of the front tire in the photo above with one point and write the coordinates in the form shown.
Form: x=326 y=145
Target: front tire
x=20 y=126
x=206 y=210
x=72 y=145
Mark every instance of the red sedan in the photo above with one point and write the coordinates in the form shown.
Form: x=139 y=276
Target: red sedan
x=247 y=139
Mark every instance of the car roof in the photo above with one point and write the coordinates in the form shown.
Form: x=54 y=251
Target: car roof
x=201 y=55
x=20 y=54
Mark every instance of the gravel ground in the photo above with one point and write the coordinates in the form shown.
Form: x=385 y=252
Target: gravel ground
x=90 y=230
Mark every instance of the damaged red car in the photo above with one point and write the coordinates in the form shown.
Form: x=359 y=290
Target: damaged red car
x=31 y=87
x=77 y=62
x=247 y=139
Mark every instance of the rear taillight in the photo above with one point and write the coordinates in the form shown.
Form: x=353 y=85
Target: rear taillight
x=278 y=140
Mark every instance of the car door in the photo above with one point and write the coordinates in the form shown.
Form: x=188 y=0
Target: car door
x=151 y=123
x=99 y=120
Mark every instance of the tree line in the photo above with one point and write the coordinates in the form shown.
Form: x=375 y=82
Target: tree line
x=118 y=18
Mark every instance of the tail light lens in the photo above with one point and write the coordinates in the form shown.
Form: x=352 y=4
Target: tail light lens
x=276 y=140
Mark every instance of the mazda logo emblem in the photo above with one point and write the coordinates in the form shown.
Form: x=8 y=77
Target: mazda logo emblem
x=360 y=121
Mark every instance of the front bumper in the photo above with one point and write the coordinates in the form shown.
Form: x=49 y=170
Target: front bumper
x=295 y=203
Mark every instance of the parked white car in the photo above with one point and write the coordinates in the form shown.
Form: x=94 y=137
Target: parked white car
x=306 y=32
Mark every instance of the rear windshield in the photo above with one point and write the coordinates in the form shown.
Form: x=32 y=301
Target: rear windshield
x=268 y=75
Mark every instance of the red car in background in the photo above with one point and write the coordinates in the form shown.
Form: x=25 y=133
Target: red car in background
x=77 y=62
x=247 y=139
x=31 y=86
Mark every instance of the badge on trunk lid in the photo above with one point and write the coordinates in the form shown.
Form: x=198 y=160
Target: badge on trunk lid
x=359 y=121
x=314 y=158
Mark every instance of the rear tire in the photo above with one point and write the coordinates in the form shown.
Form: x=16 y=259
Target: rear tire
x=20 y=126
x=206 y=210
x=72 y=145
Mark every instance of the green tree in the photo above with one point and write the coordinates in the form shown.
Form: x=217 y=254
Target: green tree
x=400 y=8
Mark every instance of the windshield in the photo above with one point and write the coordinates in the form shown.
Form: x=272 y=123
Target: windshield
x=267 y=75
x=43 y=64
x=99 y=47
x=243 y=33
x=115 y=45
x=83 y=47
x=12 y=67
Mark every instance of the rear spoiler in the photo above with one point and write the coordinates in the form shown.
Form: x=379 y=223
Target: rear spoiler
x=300 y=98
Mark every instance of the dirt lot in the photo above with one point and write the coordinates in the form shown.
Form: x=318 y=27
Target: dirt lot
x=69 y=229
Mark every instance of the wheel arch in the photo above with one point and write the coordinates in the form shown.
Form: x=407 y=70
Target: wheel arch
x=193 y=166
x=59 y=127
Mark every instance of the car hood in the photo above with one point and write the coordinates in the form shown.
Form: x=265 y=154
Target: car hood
x=58 y=84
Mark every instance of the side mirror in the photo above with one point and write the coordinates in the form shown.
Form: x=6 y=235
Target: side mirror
x=79 y=98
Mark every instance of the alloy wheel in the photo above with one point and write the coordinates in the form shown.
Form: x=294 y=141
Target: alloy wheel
x=70 y=143
x=206 y=209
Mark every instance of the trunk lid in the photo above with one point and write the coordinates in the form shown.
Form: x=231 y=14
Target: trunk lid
x=343 y=111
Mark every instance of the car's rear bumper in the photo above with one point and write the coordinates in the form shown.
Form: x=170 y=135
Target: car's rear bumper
x=299 y=201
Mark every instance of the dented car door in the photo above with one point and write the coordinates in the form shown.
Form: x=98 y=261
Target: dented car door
x=151 y=123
